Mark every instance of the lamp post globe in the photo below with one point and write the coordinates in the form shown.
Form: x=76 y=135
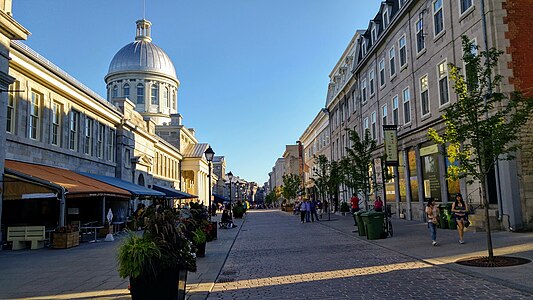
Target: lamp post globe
x=209 y=155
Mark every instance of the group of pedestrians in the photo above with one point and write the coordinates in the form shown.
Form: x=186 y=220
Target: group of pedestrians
x=308 y=210
x=460 y=214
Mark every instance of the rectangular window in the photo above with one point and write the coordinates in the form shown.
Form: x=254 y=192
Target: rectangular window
x=363 y=91
x=438 y=18
x=385 y=18
x=100 y=141
x=424 y=94
x=365 y=125
x=442 y=74
x=403 y=52
x=373 y=35
x=56 y=123
x=35 y=114
x=384 y=115
x=392 y=62
x=395 y=113
x=406 y=106
x=12 y=107
x=363 y=47
x=465 y=5
x=73 y=130
x=420 y=43
x=88 y=136
x=382 y=72
x=111 y=145
x=371 y=77
x=373 y=119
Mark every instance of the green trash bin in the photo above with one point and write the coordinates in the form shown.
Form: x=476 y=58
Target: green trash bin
x=374 y=225
x=360 y=224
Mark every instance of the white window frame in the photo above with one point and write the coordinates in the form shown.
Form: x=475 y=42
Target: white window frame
x=140 y=96
x=392 y=62
x=364 y=97
x=12 y=108
x=404 y=48
x=385 y=17
x=382 y=81
x=371 y=82
x=373 y=125
x=423 y=89
x=365 y=125
x=441 y=75
x=88 y=136
x=363 y=46
x=154 y=94
x=55 y=130
x=419 y=29
x=467 y=10
x=395 y=110
x=384 y=114
x=401 y=3
x=74 y=128
x=406 y=100
x=111 y=134
x=373 y=34
x=34 y=115
x=100 y=140
x=435 y=12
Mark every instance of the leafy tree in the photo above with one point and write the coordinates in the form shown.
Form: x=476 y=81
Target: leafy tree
x=357 y=163
x=335 y=179
x=321 y=178
x=291 y=184
x=483 y=125
x=271 y=198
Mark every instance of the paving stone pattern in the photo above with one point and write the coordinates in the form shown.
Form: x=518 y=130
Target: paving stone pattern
x=277 y=257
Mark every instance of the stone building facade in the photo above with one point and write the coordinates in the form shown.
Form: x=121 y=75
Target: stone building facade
x=399 y=75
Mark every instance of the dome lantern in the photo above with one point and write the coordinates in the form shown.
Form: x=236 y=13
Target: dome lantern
x=143 y=30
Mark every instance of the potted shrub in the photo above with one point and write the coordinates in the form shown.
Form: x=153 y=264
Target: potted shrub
x=200 y=240
x=238 y=210
x=157 y=261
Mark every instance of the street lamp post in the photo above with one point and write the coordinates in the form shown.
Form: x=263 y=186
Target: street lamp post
x=209 y=155
x=230 y=177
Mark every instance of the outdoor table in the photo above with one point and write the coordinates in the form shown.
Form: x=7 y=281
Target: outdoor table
x=94 y=228
x=117 y=225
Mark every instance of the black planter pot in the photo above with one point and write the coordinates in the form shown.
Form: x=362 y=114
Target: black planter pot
x=167 y=285
x=200 y=249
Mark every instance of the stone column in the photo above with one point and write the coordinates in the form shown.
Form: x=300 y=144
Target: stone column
x=408 y=185
x=420 y=178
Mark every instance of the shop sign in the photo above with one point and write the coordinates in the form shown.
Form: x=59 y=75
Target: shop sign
x=391 y=145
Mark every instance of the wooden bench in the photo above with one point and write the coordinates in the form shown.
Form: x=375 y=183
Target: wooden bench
x=19 y=235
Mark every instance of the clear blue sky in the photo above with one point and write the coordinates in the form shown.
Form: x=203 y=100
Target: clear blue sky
x=253 y=73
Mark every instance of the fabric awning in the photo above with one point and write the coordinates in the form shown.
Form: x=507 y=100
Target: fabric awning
x=220 y=199
x=173 y=193
x=135 y=189
x=76 y=185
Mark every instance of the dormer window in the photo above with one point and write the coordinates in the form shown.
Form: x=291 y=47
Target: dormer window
x=402 y=3
x=385 y=16
x=373 y=34
x=363 y=46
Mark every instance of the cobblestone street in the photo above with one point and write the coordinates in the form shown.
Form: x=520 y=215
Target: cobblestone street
x=277 y=257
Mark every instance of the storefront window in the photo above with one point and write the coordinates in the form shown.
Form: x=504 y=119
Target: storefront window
x=430 y=171
x=412 y=172
x=401 y=177
x=453 y=184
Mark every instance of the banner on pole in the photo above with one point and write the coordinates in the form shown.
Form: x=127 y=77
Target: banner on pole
x=391 y=145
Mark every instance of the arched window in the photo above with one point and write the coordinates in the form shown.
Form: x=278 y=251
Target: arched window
x=155 y=94
x=174 y=100
x=115 y=91
x=140 y=93
x=165 y=97
x=140 y=181
x=126 y=91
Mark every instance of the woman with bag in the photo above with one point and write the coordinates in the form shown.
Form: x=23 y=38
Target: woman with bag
x=432 y=213
x=459 y=210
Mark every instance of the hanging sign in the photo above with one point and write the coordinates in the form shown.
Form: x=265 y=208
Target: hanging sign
x=391 y=145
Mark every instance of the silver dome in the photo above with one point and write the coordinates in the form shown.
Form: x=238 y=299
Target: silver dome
x=142 y=55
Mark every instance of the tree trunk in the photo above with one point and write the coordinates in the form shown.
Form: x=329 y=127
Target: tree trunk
x=484 y=190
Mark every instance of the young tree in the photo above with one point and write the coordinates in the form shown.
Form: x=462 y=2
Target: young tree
x=335 y=179
x=321 y=179
x=357 y=163
x=291 y=184
x=483 y=125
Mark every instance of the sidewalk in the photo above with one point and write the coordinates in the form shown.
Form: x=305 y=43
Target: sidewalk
x=200 y=283
x=411 y=238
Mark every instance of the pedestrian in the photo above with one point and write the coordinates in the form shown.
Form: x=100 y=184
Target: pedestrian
x=303 y=211
x=307 y=211
x=460 y=214
x=355 y=207
x=378 y=204
x=432 y=213
x=314 y=215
